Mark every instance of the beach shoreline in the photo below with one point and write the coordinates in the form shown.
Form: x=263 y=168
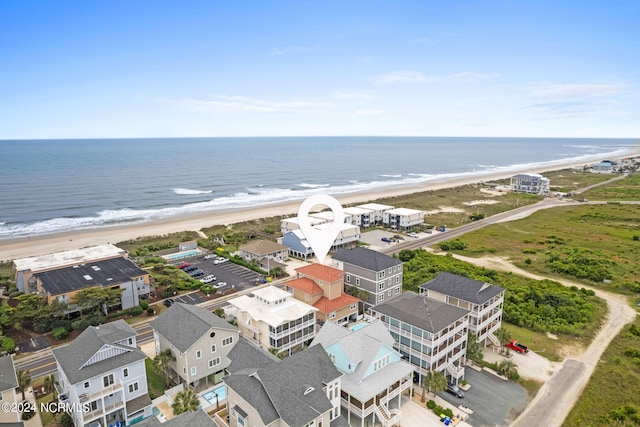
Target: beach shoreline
x=23 y=247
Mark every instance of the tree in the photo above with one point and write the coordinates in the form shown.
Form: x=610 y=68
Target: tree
x=276 y=272
x=24 y=381
x=433 y=381
x=185 y=401
x=29 y=305
x=504 y=336
x=474 y=352
x=50 y=385
x=219 y=312
x=508 y=368
x=161 y=363
x=98 y=299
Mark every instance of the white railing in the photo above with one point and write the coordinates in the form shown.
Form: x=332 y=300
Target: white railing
x=93 y=396
x=494 y=340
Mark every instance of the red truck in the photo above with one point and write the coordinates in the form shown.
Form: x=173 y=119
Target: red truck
x=514 y=345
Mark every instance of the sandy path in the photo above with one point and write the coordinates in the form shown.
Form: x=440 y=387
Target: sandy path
x=558 y=396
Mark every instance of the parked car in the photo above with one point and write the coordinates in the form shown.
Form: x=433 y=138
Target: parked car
x=455 y=390
x=210 y=256
x=168 y=302
x=195 y=273
x=208 y=279
x=386 y=239
x=183 y=265
x=220 y=260
x=190 y=268
x=220 y=285
x=412 y=234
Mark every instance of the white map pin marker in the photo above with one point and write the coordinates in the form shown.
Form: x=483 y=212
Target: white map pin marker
x=320 y=240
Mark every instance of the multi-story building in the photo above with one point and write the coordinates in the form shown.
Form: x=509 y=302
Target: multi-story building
x=61 y=284
x=430 y=334
x=274 y=319
x=8 y=384
x=377 y=212
x=363 y=218
x=378 y=274
x=403 y=218
x=198 y=339
x=102 y=375
x=25 y=268
x=532 y=183
x=483 y=300
x=323 y=287
x=259 y=250
x=300 y=390
x=375 y=376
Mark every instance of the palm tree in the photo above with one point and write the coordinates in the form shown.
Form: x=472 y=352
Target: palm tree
x=434 y=381
x=50 y=385
x=504 y=336
x=24 y=381
x=186 y=400
x=161 y=363
x=508 y=368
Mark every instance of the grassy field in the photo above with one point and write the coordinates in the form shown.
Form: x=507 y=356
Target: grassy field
x=542 y=343
x=566 y=180
x=626 y=189
x=585 y=243
x=611 y=397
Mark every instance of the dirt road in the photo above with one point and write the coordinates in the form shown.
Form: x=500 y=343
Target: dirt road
x=559 y=394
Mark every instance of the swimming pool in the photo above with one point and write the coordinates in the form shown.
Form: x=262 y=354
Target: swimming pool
x=357 y=326
x=210 y=396
x=180 y=255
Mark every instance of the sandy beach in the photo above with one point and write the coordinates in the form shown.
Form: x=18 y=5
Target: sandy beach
x=40 y=245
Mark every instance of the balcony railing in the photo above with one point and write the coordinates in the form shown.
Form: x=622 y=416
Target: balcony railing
x=90 y=415
x=106 y=391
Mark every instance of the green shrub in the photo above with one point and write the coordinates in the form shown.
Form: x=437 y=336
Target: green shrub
x=144 y=305
x=150 y=310
x=7 y=344
x=60 y=333
x=431 y=404
x=28 y=414
x=136 y=311
x=15 y=294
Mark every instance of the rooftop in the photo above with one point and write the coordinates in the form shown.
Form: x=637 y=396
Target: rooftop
x=326 y=305
x=274 y=313
x=357 y=211
x=65 y=258
x=404 y=211
x=263 y=247
x=375 y=207
x=321 y=272
x=305 y=285
x=464 y=288
x=366 y=258
x=8 y=379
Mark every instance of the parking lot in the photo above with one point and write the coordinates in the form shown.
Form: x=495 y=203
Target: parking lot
x=495 y=402
x=239 y=277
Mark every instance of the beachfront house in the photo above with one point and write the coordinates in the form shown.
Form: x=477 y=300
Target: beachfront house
x=373 y=272
x=363 y=218
x=402 y=218
x=102 y=374
x=299 y=246
x=322 y=287
x=375 y=376
x=199 y=340
x=62 y=284
x=531 y=183
x=605 y=166
x=430 y=334
x=300 y=390
x=25 y=268
x=266 y=253
x=8 y=384
x=483 y=300
x=291 y=224
x=274 y=319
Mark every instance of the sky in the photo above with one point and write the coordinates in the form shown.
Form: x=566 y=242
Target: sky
x=189 y=68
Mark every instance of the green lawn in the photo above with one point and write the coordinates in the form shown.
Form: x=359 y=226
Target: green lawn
x=626 y=189
x=155 y=382
x=540 y=342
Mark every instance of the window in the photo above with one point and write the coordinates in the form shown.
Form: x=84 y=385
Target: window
x=198 y=354
x=125 y=372
x=133 y=387
x=397 y=279
x=130 y=341
x=108 y=380
x=357 y=281
x=381 y=297
x=389 y=271
x=397 y=291
x=214 y=362
x=213 y=348
x=352 y=306
x=347 y=278
x=86 y=384
x=1 y=396
x=381 y=275
x=93 y=405
x=380 y=286
x=240 y=420
x=193 y=370
x=332 y=315
x=389 y=293
x=227 y=341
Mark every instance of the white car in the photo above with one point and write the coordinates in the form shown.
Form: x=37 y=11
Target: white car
x=220 y=285
x=210 y=256
x=208 y=279
x=220 y=260
x=414 y=235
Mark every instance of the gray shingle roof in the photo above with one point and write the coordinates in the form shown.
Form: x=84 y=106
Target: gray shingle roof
x=366 y=258
x=107 y=273
x=247 y=358
x=72 y=357
x=183 y=324
x=474 y=291
x=409 y=307
x=8 y=379
x=197 y=418
x=277 y=391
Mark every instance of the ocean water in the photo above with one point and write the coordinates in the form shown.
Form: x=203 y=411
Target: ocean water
x=49 y=186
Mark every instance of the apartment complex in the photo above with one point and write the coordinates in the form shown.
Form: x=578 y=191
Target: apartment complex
x=403 y=218
x=198 y=339
x=378 y=274
x=431 y=335
x=531 y=183
x=483 y=300
x=102 y=374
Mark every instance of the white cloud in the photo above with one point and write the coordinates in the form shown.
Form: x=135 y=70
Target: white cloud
x=576 y=90
x=409 y=76
x=243 y=104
